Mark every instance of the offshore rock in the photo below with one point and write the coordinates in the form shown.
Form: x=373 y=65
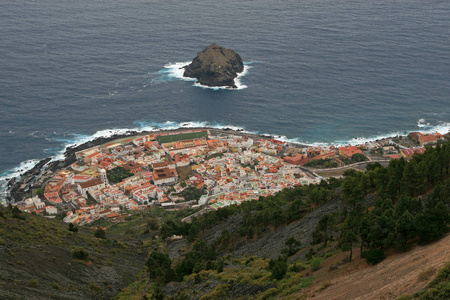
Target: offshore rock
x=215 y=66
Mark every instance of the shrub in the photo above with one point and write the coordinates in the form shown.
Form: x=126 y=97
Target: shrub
x=17 y=213
x=426 y=274
x=95 y=287
x=325 y=285
x=219 y=292
x=297 y=267
x=56 y=286
x=80 y=253
x=197 y=279
x=34 y=283
x=152 y=224
x=278 y=269
x=100 y=233
x=373 y=256
x=73 y=228
x=315 y=264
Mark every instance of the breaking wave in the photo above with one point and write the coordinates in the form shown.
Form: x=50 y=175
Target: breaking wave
x=14 y=173
x=174 y=71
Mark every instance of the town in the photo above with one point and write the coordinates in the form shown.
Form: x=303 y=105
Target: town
x=193 y=168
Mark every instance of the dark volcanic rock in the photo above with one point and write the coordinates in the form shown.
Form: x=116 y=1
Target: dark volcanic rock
x=215 y=66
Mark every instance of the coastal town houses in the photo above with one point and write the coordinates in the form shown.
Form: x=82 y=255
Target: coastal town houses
x=228 y=169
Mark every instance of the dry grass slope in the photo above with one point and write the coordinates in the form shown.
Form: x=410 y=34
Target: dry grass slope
x=399 y=274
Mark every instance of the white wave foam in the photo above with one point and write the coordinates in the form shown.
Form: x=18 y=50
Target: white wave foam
x=173 y=71
x=14 y=173
x=422 y=123
x=442 y=128
x=425 y=127
x=170 y=125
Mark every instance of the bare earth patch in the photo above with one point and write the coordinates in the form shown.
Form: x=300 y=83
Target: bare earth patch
x=399 y=274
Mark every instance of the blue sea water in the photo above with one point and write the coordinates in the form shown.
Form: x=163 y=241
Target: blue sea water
x=318 y=71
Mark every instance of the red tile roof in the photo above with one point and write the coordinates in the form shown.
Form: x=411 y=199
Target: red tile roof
x=91 y=183
x=412 y=151
x=430 y=138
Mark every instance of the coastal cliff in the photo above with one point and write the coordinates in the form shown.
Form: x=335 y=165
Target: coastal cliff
x=215 y=66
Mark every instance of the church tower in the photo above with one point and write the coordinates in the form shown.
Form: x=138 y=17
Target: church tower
x=103 y=176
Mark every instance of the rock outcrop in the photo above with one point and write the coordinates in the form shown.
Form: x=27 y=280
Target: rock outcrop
x=215 y=66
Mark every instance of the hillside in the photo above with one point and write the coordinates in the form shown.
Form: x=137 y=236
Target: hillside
x=301 y=242
x=42 y=259
x=400 y=274
x=307 y=241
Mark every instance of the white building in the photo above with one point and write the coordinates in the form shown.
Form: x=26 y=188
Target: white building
x=51 y=210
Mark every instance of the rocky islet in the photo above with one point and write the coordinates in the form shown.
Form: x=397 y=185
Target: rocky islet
x=215 y=66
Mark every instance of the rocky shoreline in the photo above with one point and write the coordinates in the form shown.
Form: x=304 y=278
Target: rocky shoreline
x=18 y=188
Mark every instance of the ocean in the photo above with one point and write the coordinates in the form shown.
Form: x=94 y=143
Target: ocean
x=318 y=71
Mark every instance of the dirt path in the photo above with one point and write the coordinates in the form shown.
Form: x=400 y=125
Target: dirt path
x=397 y=275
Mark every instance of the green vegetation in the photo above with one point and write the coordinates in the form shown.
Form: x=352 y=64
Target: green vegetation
x=163 y=139
x=159 y=267
x=42 y=247
x=250 y=272
x=90 y=200
x=202 y=257
x=118 y=174
x=292 y=246
x=39 y=192
x=17 y=213
x=283 y=208
x=278 y=268
x=396 y=206
x=33 y=283
x=373 y=256
x=326 y=163
x=357 y=157
x=323 y=163
x=426 y=274
x=191 y=193
x=100 y=233
x=184 y=173
x=215 y=155
x=73 y=227
x=397 y=219
x=315 y=264
x=439 y=288
x=80 y=253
